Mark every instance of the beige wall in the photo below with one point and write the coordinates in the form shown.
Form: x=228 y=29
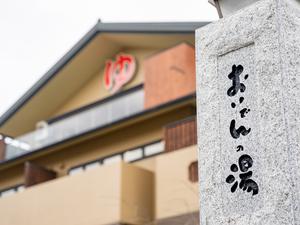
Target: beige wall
x=94 y=89
x=175 y=194
x=93 y=198
x=147 y=164
x=137 y=196
x=152 y=189
x=75 y=200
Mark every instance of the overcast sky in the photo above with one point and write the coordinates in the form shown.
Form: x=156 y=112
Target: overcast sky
x=36 y=33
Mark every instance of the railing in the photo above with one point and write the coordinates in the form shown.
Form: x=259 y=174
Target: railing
x=11 y=190
x=129 y=156
x=75 y=124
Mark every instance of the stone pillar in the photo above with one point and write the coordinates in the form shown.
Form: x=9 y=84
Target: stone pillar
x=248 y=102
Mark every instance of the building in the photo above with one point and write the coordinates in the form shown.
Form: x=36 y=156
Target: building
x=108 y=135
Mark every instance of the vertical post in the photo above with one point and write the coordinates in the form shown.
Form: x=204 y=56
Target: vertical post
x=248 y=102
x=2 y=148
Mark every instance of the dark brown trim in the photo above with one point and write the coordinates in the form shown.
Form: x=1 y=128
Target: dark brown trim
x=193 y=172
x=182 y=133
x=178 y=122
x=35 y=174
x=185 y=219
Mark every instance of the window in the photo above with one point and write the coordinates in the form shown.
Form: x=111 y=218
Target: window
x=130 y=155
x=76 y=170
x=92 y=165
x=8 y=192
x=21 y=188
x=154 y=149
x=133 y=155
x=12 y=190
x=112 y=159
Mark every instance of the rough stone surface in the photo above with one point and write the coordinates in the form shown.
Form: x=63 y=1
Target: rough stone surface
x=265 y=39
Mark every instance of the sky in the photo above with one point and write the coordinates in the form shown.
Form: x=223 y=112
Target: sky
x=35 y=34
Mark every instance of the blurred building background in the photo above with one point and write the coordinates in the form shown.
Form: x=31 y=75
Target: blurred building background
x=35 y=34
x=108 y=134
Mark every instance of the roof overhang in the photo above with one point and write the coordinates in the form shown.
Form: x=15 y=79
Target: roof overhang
x=212 y=2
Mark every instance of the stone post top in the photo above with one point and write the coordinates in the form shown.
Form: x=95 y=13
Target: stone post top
x=227 y=7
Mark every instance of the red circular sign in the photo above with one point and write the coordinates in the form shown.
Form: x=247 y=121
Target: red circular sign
x=119 y=72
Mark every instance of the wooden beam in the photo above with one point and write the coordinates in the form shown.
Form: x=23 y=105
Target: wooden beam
x=35 y=174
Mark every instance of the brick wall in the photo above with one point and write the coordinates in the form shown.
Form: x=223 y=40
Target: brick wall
x=169 y=75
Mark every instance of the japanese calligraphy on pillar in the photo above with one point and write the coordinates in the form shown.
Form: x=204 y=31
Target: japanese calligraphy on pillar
x=241 y=176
